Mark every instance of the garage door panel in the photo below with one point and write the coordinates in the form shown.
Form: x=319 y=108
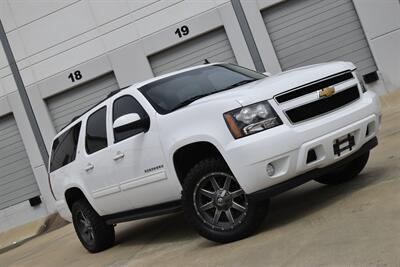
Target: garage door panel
x=13 y=185
x=17 y=182
x=282 y=11
x=365 y=65
x=15 y=175
x=314 y=31
x=18 y=196
x=225 y=56
x=8 y=132
x=15 y=158
x=81 y=104
x=303 y=15
x=347 y=52
x=11 y=148
x=213 y=46
x=6 y=124
x=307 y=32
x=191 y=58
x=9 y=141
x=218 y=54
x=342 y=46
x=13 y=167
x=322 y=43
x=175 y=54
x=76 y=97
x=304 y=23
x=65 y=106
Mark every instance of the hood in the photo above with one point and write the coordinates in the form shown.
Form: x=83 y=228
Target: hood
x=267 y=88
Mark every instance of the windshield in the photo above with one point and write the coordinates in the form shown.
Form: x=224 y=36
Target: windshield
x=177 y=91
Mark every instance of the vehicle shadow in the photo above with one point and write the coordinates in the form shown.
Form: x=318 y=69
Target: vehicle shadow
x=284 y=209
x=163 y=229
x=313 y=197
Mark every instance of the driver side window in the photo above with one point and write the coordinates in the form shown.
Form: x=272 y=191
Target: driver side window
x=122 y=106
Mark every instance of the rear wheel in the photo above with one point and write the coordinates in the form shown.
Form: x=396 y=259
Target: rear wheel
x=346 y=172
x=216 y=205
x=94 y=234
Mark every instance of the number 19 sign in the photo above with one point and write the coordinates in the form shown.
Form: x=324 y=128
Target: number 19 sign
x=182 y=31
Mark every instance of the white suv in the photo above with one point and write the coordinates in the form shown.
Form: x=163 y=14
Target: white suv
x=217 y=141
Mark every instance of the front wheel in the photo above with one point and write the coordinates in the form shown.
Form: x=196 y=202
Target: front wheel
x=94 y=234
x=216 y=205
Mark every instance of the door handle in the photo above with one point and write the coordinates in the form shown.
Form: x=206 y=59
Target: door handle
x=119 y=156
x=89 y=167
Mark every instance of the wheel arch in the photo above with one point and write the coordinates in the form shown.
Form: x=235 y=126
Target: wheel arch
x=186 y=156
x=74 y=194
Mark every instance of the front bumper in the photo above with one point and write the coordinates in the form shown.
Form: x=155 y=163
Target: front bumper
x=308 y=176
x=286 y=147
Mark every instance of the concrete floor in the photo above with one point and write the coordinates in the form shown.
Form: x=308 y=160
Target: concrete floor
x=353 y=224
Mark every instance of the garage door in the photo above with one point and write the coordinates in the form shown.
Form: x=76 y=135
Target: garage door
x=65 y=106
x=213 y=46
x=306 y=32
x=17 y=182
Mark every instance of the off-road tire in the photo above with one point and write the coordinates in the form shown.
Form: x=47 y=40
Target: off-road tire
x=346 y=172
x=103 y=234
x=256 y=211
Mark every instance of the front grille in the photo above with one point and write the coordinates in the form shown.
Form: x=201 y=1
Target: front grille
x=323 y=105
x=315 y=86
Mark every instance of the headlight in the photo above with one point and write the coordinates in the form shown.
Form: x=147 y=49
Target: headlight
x=251 y=119
x=361 y=81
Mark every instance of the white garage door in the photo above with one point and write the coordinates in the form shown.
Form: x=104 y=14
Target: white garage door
x=213 y=46
x=306 y=32
x=65 y=106
x=17 y=182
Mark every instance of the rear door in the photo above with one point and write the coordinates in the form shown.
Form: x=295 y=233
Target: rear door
x=96 y=163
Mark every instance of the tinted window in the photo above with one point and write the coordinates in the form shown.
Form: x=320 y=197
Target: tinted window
x=64 y=148
x=170 y=93
x=96 y=131
x=122 y=106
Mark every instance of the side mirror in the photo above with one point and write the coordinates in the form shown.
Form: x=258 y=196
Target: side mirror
x=131 y=121
x=126 y=120
x=267 y=73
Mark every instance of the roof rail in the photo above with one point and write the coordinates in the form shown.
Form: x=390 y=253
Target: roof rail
x=112 y=93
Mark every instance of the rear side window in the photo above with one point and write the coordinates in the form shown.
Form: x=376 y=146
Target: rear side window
x=64 y=148
x=96 y=131
x=126 y=105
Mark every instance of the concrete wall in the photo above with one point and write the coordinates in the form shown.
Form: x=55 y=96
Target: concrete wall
x=51 y=39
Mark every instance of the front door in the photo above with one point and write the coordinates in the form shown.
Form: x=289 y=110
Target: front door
x=139 y=164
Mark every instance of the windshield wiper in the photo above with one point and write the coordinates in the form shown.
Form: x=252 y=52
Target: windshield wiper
x=239 y=84
x=189 y=101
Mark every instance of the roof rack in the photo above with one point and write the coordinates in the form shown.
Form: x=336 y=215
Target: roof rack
x=112 y=93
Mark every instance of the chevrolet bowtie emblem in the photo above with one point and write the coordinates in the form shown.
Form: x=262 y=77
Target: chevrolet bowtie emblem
x=326 y=92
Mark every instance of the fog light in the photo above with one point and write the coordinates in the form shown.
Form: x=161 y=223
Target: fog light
x=270 y=169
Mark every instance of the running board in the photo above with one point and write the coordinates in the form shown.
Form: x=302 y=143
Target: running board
x=142 y=213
